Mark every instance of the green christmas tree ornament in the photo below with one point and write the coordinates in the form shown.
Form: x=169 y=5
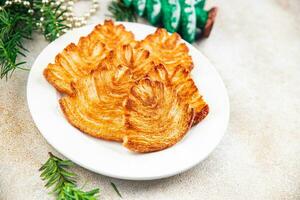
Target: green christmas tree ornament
x=139 y=6
x=188 y=20
x=153 y=9
x=127 y=2
x=200 y=4
x=202 y=16
x=171 y=14
x=187 y=17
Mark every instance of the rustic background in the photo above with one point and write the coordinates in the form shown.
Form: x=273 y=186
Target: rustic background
x=255 y=46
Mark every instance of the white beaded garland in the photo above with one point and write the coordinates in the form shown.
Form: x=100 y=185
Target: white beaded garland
x=71 y=20
x=8 y=3
x=77 y=21
x=30 y=11
x=45 y=1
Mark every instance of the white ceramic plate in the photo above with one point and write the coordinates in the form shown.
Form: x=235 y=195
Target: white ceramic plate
x=112 y=159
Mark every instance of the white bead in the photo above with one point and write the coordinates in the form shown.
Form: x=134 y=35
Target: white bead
x=63 y=7
x=70 y=19
x=30 y=11
x=69 y=8
x=42 y=10
x=57 y=3
x=87 y=15
x=42 y=19
x=26 y=3
x=70 y=3
x=95 y=6
x=66 y=14
x=77 y=24
x=93 y=10
x=8 y=3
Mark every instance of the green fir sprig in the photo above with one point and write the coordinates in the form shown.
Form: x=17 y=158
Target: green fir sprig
x=120 y=12
x=116 y=189
x=71 y=192
x=18 y=22
x=14 y=28
x=51 y=19
x=62 y=181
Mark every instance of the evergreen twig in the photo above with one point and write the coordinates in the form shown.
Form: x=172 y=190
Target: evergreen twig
x=17 y=25
x=56 y=174
x=13 y=29
x=120 y=12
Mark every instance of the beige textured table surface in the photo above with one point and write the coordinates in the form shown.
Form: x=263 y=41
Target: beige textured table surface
x=255 y=46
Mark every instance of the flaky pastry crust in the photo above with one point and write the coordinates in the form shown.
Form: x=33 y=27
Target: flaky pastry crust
x=97 y=105
x=185 y=87
x=77 y=61
x=156 y=118
x=168 y=50
x=137 y=93
x=138 y=60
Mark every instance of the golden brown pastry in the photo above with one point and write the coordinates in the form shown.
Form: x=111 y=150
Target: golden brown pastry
x=74 y=62
x=156 y=118
x=184 y=85
x=116 y=89
x=168 y=50
x=137 y=60
x=188 y=91
x=79 y=60
x=97 y=105
x=112 y=35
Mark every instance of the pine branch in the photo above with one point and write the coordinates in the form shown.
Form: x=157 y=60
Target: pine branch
x=53 y=23
x=17 y=25
x=70 y=192
x=120 y=12
x=14 y=28
x=55 y=173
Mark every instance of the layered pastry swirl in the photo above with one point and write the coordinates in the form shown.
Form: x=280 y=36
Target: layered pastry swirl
x=139 y=93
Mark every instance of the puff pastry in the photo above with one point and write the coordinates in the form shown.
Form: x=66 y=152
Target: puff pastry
x=168 y=50
x=97 y=105
x=184 y=85
x=188 y=91
x=112 y=35
x=137 y=93
x=156 y=118
x=76 y=61
x=137 y=60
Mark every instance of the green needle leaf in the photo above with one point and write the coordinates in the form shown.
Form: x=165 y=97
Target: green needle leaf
x=116 y=189
x=121 y=12
x=57 y=175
